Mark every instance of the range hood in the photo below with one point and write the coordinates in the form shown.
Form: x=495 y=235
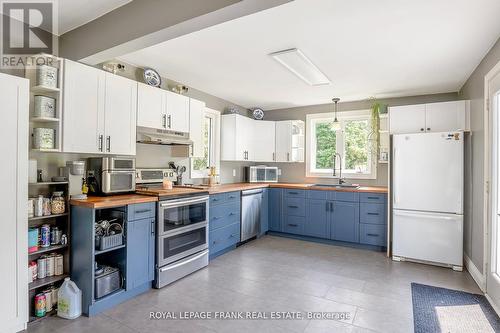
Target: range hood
x=162 y=137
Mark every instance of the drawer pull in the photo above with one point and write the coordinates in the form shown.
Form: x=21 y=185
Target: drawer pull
x=232 y=197
x=373 y=235
x=215 y=218
x=142 y=211
x=372 y=213
x=215 y=199
x=374 y=198
x=293 y=192
x=231 y=214
x=293 y=206
x=293 y=225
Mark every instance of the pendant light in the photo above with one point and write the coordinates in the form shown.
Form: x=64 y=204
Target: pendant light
x=336 y=122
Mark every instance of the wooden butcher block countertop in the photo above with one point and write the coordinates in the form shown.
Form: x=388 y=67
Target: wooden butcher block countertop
x=299 y=186
x=112 y=200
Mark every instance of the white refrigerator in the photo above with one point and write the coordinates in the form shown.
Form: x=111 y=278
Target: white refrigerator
x=427 y=194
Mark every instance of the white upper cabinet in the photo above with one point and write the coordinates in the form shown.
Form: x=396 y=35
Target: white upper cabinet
x=83 y=108
x=433 y=117
x=264 y=137
x=151 y=108
x=290 y=141
x=236 y=138
x=177 y=112
x=100 y=111
x=120 y=115
x=196 y=120
x=447 y=116
x=407 y=119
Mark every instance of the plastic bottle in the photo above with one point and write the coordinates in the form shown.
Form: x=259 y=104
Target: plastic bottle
x=69 y=300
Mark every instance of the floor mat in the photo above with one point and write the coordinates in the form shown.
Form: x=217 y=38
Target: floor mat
x=446 y=310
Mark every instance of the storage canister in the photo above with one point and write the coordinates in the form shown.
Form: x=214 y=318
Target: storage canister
x=51 y=265
x=31 y=207
x=44 y=107
x=46 y=76
x=33 y=271
x=55 y=235
x=39 y=206
x=44 y=138
x=48 y=300
x=57 y=202
x=42 y=267
x=47 y=207
x=54 y=295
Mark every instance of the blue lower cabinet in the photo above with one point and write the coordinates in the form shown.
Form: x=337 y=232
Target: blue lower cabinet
x=294 y=224
x=140 y=252
x=345 y=221
x=316 y=224
x=264 y=214
x=373 y=234
x=275 y=209
x=222 y=238
x=222 y=215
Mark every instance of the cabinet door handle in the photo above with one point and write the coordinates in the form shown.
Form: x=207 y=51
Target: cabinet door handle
x=101 y=138
x=327 y=206
x=428 y=128
x=292 y=225
x=422 y=129
x=142 y=211
x=294 y=193
x=152 y=227
x=108 y=143
x=231 y=214
x=288 y=157
x=164 y=121
x=274 y=157
x=293 y=206
x=373 y=235
x=169 y=121
x=332 y=207
x=373 y=198
x=372 y=213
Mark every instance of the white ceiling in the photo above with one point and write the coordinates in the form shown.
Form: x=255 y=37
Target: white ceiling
x=384 y=48
x=74 y=13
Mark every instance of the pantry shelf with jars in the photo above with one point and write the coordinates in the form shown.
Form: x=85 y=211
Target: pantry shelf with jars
x=48 y=245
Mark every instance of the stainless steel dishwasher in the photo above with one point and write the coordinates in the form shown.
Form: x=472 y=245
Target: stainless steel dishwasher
x=251 y=201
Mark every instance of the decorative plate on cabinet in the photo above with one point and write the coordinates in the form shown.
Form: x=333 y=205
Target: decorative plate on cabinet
x=152 y=77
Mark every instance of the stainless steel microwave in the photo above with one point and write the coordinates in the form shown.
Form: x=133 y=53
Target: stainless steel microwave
x=261 y=174
x=110 y=175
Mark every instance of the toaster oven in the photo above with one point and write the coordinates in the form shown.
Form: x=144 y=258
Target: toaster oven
x=261 y=174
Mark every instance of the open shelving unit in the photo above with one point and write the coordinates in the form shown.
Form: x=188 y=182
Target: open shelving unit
x=63 y=222
x=52 y=92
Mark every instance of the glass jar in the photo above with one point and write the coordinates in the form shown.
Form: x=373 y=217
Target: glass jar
x=46 y=206
x=58 y=203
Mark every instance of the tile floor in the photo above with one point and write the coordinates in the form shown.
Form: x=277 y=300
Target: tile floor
x=280 y=274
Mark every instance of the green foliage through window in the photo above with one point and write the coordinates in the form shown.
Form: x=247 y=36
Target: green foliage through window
x=204 y=163
x=326 y=142
x=356 y=145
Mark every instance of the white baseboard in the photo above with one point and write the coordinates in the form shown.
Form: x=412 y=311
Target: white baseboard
x=476 y=274
x=493 y=305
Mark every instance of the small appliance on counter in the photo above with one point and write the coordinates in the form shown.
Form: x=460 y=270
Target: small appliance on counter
x=74 y=171
x=111 y=175
x=261 y=174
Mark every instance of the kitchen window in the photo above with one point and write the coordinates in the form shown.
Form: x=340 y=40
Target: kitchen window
x=211 y=139
x=353 y=142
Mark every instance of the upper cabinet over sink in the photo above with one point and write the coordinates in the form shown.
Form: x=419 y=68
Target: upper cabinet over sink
x=100 y=111
x=434 y=117
x=162 y=109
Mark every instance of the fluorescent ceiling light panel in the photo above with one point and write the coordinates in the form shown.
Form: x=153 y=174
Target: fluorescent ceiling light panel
x=297 y=63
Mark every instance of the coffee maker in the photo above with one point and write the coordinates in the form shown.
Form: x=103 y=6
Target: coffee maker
x=74 y=171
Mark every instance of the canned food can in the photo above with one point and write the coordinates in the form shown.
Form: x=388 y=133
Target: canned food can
x=33 y=271
x=54 y=296
x=45 y=235
x=42 y=267
x=55 y=235
x=48 y=300
x=44 y=107
x=51 y=265
x=46 y=76
x=59 y=263
x=40 y=307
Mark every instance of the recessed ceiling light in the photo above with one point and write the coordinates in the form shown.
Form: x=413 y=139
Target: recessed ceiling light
x=297 y=63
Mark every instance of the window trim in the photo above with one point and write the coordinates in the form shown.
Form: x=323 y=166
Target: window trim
x=215 y=145
x=311 y=145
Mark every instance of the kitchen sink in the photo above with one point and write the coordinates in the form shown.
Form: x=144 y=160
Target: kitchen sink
x=338 y=185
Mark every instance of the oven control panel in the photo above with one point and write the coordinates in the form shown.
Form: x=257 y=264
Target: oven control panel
x=150 y=176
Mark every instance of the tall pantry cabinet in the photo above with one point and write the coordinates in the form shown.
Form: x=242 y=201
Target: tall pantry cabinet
x=14 y=94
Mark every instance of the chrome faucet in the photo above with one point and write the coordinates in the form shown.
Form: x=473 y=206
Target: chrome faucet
x=341 y=180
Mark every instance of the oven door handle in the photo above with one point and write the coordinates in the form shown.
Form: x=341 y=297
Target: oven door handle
x=183 y=202
x=184 y=262
x=181 y=230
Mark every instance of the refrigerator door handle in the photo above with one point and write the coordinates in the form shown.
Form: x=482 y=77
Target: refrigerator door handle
x=395 y=182
x=437 y=216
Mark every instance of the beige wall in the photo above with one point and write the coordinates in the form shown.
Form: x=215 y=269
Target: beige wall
x=473 y=89
x=295 y=172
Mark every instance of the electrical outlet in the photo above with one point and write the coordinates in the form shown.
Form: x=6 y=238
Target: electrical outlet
x=234 y=172
x=279 y=172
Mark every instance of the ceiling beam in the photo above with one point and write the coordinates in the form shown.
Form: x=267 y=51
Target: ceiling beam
x=140 y=24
